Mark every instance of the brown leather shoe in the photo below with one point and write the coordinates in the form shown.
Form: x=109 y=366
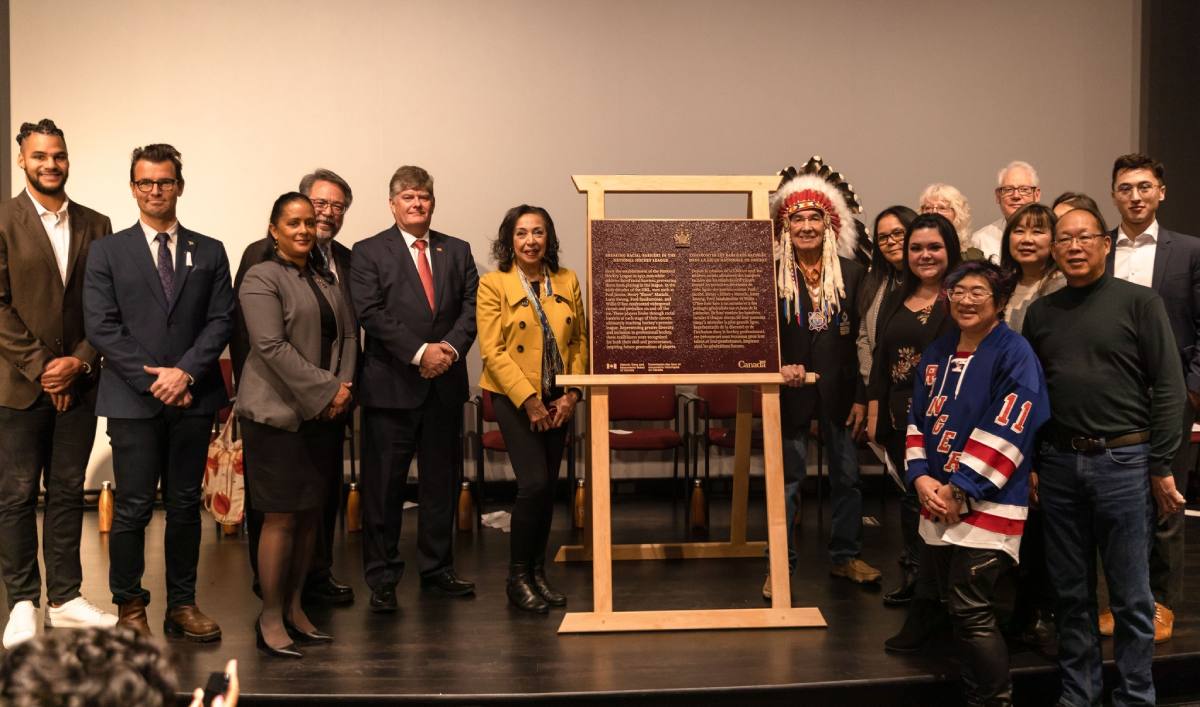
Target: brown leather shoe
x=190 y=623
x=1164 y=623
x=132 y=614
x=1106 y=623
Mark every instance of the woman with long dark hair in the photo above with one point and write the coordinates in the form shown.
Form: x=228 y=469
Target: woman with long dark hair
x=887 y=268
x=910 y=317
x=294 y=390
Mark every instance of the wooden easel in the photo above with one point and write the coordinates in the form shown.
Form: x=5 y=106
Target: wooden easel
x=598 y=545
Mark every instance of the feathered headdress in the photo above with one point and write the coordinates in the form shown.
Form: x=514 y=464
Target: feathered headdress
x=815 y=186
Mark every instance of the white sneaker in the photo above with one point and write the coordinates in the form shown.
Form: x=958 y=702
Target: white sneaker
x=22 y=624
x=78 y=613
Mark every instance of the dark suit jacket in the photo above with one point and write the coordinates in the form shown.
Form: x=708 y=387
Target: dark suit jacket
x=832 y=353
x=41 y=318
x=393 y=311
x=1177 y=280
x=131 y=324
x=255 y=253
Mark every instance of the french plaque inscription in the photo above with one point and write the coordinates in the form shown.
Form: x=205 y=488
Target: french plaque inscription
x=683 y=297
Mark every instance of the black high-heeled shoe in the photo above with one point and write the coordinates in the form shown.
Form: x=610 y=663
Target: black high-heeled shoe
x=288 y=651
x=305 y=638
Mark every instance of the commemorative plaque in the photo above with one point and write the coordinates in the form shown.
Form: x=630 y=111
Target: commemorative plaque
x=683 y=297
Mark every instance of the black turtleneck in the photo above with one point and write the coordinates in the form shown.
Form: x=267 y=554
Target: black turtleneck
x=1111 y=364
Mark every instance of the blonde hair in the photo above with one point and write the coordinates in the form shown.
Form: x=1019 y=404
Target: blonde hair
x=947 y=193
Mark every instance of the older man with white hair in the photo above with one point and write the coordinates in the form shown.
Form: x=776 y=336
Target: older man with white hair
x=1016 y=185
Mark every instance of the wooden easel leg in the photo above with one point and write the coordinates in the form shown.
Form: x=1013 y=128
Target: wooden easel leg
x=601 y=524
x=742 y=429
x=777 y=530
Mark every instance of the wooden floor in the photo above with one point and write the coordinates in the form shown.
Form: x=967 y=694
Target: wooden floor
x=479 y=650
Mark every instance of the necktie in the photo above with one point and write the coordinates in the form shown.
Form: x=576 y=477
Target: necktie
x=166 y=268
x=425 y=272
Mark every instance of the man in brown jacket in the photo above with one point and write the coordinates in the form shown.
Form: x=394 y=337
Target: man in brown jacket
x=47 y=387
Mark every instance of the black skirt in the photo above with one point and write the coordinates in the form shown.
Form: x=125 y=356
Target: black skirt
x=287 y=472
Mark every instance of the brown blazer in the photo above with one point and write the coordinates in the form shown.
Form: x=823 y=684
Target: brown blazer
x=41 y=318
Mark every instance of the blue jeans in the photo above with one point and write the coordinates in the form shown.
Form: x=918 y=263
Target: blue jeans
x=1089 y=501
x=842 y=455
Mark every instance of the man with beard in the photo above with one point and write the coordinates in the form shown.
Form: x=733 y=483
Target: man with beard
x=159 y=307
x=47 y=387
x=331 y=198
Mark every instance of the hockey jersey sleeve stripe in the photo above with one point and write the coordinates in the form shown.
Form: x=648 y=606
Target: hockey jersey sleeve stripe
x=999 y=444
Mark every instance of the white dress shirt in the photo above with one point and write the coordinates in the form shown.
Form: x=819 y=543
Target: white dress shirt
x=409 y=240
x=152 y=241
x=58 y=230
x=1134 y=260
x=988 y=240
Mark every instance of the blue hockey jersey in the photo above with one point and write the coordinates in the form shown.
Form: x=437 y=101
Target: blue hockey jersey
x=973 y=423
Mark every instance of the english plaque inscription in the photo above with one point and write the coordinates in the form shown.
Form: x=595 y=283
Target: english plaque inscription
x=683 y=297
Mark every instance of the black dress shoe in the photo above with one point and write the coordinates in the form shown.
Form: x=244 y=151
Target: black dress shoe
x=328 y=592
x=383 y=600
x=306 y=638
x=448 y=583
x=288 y=651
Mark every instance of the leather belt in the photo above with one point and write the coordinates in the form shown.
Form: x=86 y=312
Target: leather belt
x=1094 y=445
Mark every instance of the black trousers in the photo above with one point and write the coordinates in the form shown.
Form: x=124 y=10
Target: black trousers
x=1034 y=590
x=967 y=580
x=535 y=457
x=171 y=448
x=1167 y=545
x=329 y=461
x=910 y=517
x=39 y=445
x=391 y=438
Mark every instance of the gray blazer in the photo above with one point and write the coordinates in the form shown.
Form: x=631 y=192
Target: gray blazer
x=283 y=383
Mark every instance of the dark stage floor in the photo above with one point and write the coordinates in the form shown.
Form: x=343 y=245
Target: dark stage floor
x=478 y=650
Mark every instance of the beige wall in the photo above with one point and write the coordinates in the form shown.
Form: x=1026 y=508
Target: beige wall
x=503 y=101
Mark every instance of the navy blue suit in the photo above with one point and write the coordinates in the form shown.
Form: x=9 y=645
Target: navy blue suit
x=131 y=323
x=403 y=413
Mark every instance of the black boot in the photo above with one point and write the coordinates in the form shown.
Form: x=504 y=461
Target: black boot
x=1040 y=634
x=521 y=592
x=924 y=619
x=902 y=595
x=552 y=596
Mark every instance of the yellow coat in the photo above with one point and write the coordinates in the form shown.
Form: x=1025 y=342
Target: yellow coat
x=510 y=334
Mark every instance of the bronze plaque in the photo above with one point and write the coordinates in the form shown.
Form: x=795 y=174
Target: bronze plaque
x=683 y=297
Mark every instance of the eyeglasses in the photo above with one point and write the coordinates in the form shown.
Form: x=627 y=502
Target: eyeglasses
x=336 y=207
x=1085 y=240
x=968 y=294
x=146 y=186
x=896 y=235
x=1009 y=191
x=1125 y=191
